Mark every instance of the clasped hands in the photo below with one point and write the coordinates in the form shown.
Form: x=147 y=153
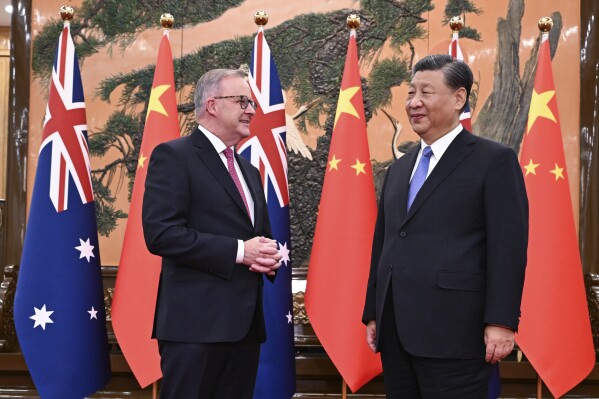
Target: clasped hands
x=262 y=255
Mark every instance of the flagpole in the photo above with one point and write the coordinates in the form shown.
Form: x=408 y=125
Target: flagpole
x=166 y=21
x=81 y=365
x=457 y=24
x=348 y=189
x=548 y=267
x=353 y=23
x=545 y=24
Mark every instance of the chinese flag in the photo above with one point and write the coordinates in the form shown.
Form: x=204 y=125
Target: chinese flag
x=340 y=259
x=137 y=278
x=555 y=331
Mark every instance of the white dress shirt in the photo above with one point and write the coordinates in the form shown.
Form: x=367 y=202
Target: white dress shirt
x=438 y=147
x=219 y=146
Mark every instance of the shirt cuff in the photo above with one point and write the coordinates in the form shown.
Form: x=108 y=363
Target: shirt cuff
x=499 y=325
x=240 y=252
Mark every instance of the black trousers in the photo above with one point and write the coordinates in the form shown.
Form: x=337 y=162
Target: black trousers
x=413 y=377
x=208 y=371
x=223 y=370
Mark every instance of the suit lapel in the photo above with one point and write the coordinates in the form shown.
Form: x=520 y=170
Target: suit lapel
x=459 y=148
x=215 y=165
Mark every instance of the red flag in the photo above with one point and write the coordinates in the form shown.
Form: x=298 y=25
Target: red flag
x=340 y=260
x=456 y=53
x=555 y=331
x=137 y=279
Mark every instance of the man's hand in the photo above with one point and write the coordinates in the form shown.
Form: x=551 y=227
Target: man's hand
x=262 y=255
x=499 y=341
x=371 y=335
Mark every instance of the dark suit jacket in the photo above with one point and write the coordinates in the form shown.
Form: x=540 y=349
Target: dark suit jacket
x=457 y=258
x=193 y=216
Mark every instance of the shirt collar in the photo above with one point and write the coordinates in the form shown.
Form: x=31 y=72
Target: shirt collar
x=217 y=143
x=440 y=145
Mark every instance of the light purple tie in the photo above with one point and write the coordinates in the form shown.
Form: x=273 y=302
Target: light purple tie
x=420 y=174
x=231 y=166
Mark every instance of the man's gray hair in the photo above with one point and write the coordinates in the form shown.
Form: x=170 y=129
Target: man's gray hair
x=209 y=85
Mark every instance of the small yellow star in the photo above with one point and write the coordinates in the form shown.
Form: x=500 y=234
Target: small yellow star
x=333 y=163
x=359 y=167
x=154 y=104
x=530 y=168
x=344 y=103
x=539 y=107
x=558 y=172
x=141 y=160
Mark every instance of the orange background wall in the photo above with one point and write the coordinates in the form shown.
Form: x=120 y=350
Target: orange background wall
x=239 y=22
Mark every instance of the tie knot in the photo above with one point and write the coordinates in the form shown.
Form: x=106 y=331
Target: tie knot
x=427 y=152
x=229 y=153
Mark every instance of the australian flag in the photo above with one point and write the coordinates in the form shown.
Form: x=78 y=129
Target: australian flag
x=265 y=149
x=59 y=306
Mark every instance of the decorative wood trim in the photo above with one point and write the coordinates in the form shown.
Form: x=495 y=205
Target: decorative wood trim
x=8 y=286
x=4 y=90
x=591 y=282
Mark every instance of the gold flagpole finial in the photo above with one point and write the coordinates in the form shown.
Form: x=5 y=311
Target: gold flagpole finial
x=261 y=18
x=456 y=24
x=545 y=24
x=167 y=20
x=66 y=13
x=353 y=21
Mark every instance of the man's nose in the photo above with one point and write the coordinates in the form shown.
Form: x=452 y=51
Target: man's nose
x=414 y=102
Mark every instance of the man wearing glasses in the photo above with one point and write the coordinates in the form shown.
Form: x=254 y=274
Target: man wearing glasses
x=205 y=214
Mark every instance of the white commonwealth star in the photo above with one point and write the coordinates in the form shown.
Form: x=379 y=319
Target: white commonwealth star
x=284 y=251
x=86 y=249
x=41 y=317
x=92 y=313
x=289 y=317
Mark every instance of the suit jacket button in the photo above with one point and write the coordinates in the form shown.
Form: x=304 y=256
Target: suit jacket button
x=403 y=234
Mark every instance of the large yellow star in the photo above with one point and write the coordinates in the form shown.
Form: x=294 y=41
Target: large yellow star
x=558 y=172
x=344 y=104
x=155 y=104
x=530 y=168
x=359 y=167
x=141 y=160
x=333 y=163
x=539 y=107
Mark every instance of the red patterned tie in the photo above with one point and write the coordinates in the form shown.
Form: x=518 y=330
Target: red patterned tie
x=231 y=166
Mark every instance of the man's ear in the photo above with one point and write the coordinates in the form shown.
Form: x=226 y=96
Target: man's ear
x=211 y=106
x=461 y=98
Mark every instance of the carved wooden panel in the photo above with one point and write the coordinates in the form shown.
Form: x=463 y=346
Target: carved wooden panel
x=4 y=88
x=8 y=335
x=592 y=287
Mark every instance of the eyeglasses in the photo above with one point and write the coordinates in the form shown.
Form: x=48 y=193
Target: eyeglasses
x=244 y=101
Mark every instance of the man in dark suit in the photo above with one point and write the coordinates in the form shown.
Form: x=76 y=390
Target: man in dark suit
x=205 y=214
x=449 y=248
